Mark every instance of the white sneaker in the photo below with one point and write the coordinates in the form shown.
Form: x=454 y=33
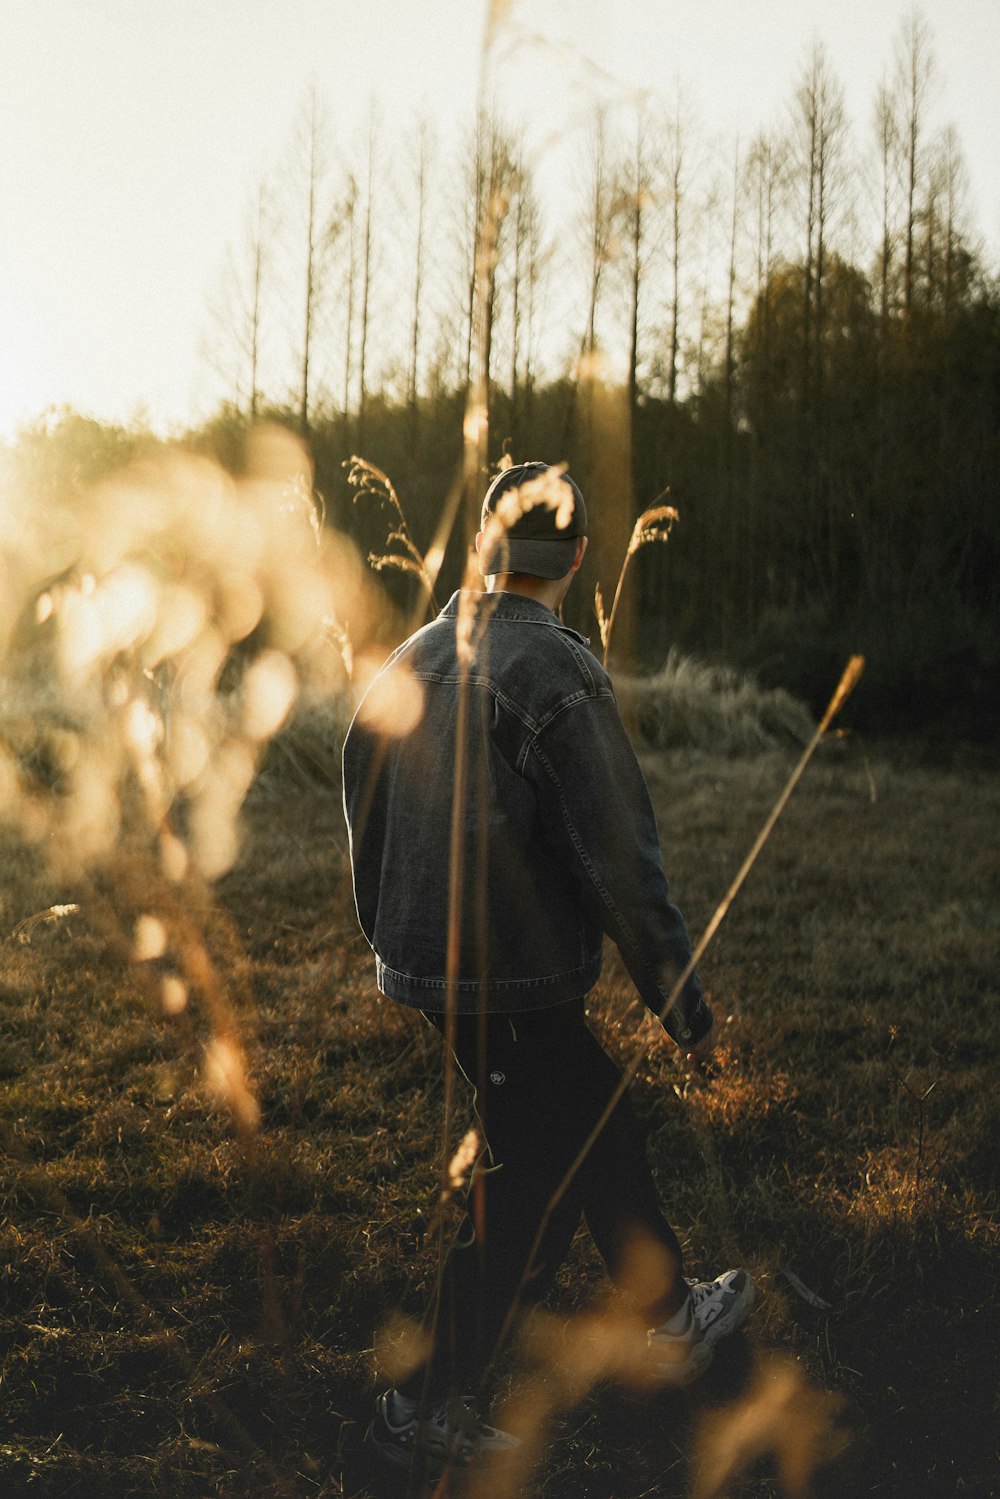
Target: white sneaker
x=452 y=1432
x=717 y=1308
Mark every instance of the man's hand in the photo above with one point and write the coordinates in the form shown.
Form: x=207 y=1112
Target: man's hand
x=703 y=1048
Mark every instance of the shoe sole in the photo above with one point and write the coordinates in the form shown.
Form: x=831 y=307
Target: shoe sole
x=676 y=1376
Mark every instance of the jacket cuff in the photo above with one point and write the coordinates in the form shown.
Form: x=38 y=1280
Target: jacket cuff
x=688 y=1021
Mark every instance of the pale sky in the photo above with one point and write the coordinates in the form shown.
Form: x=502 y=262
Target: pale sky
x=133 y=130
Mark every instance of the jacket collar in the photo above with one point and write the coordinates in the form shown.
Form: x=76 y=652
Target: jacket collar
x=512 y=606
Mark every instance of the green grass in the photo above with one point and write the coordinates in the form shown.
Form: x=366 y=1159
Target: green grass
x=189 y=1310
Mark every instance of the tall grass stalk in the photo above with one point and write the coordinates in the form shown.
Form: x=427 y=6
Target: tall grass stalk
x=475 y=450
x=848 y=680
x=654 y=524
x=367 y=480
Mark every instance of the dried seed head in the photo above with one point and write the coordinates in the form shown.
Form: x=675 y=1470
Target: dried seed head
x=464 y=1159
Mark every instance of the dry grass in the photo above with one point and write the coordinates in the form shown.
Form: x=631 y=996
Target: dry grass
x=218 y=1188
x=191 y=1311
x=691 y=704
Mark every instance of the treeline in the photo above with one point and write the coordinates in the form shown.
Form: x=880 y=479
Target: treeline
x=797 y=336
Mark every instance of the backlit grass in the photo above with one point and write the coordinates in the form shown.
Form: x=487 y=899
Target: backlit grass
x=189 y=1309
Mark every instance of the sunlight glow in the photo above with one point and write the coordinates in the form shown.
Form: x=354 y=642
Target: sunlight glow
x=181 y=615
x=394 y=704
x=475 y=424
x=174 y=995
x=188 y=749
x=11 y=389
x=143 y=729
x=225 y=1075
x=269 y=690
x=150 y=939
x=173 y=858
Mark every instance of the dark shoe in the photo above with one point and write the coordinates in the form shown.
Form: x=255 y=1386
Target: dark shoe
x=451 y=1433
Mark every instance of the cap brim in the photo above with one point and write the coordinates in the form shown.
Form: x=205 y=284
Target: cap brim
x=548 y=558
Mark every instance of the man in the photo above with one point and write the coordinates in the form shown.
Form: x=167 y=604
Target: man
x=492 y=846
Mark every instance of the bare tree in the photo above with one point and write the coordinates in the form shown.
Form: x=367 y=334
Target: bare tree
x=712 y=208
x=677 y=182
x=763 y=193
x=488 y=182
x=349 y=233
x=525 y=262
x=485 y=176
x=367 y=270
x=913 y=85
x=731 y=304
x=823 y=134
x=240 y=317
x=952 y=174
x=500 y=178
x=886 y=143
x=598 y=224
x=538 y=262
x=423 y=155
x=313 y=167
x=258 y=249
x=765 y=183
x=473 y=198
x=635 y=201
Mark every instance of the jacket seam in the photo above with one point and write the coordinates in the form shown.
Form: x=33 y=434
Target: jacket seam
x=603 y=694
x=581 y=664
x=534 y=725
x=498 y=616
x=546 y=624
x=448 y=679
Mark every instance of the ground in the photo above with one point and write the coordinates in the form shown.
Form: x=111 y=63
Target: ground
x=215 y=1220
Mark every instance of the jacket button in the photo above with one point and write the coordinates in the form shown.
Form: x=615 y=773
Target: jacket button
x=685 y=1035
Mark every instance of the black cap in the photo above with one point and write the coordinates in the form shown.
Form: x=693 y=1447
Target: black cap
x=538 y=532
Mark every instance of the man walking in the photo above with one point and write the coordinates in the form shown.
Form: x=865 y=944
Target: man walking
x=493 y=845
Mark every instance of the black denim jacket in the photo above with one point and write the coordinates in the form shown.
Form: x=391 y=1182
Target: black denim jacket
x=552 y=840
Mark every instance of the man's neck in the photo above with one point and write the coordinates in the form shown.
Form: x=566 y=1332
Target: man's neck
x=547 y=591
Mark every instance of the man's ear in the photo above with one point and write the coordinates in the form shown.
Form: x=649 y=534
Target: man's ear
x=479 y=541
x=581 y=547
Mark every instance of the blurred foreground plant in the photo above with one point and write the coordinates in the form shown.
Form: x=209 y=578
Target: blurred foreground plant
x=157 y=629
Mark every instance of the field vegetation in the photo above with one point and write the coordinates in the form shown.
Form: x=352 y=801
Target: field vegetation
x=194 y=1294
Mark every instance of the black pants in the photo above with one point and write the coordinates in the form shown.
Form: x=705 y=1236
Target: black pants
x=542 y=1080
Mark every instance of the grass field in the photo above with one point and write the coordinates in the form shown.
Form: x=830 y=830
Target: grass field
x=191 y=1301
